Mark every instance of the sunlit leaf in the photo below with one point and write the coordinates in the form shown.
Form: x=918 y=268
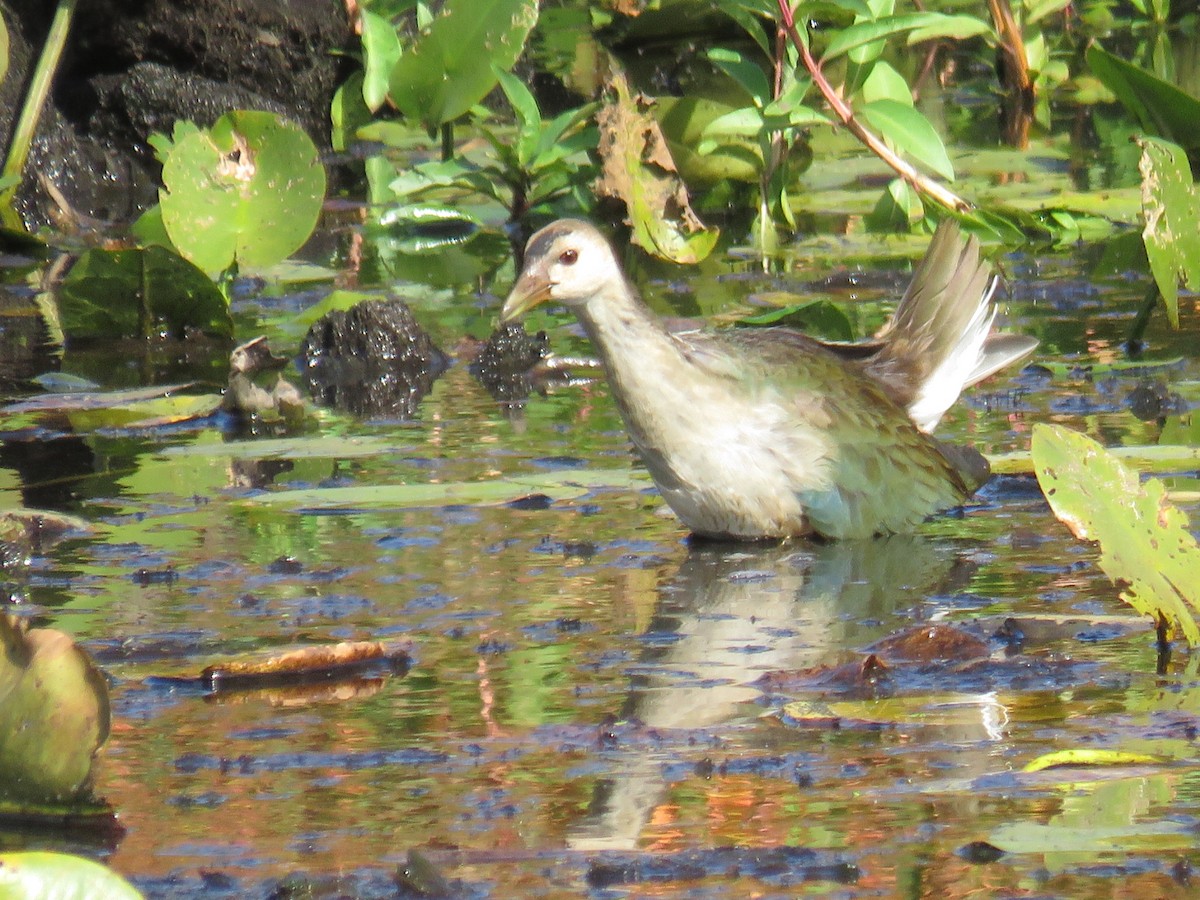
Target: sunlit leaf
x=1171 y=211
x=381 y=50
x=59 y=876
x=247 y=190
x=924 y=26
x=347 y=112
x=885 y=83
x=1144 y=540
x=909 y=130
x=1088 y=757
x=450 y=67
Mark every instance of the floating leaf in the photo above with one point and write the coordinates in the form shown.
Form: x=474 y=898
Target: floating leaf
x=1090 y=369
x=1144 y=540
x=139 y=293
x=559 y=485
x=639 y=171
x=1164 y=458
x=330 y=662
x=247 y=191
x=60 y=876
x=1170 y=209
x=1093 y=757
x=54 y=716
x=449 y=68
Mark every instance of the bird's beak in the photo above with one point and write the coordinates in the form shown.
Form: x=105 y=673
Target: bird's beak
x=532 y=288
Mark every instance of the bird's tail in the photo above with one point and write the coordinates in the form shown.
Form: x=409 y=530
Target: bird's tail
x=939 y=340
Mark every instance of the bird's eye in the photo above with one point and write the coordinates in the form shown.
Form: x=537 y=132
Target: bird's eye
x=568 y=257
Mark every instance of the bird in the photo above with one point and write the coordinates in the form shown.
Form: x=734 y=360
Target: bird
x=754 y=434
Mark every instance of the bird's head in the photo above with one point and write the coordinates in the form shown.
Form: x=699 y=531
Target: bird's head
x=569 y=262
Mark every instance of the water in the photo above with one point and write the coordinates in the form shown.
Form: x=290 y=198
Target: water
x=596 y=706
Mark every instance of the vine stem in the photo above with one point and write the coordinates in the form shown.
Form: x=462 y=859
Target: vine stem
x=845 y=113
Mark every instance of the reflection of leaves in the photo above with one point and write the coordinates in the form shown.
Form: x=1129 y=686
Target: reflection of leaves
x=1171 y=209
x=248 y=190
x=639 y=171
x=41 y=876
x=1144 y=540
x=132 y=293
x=54 y=715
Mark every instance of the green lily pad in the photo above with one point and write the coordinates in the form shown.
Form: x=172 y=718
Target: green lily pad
x=60 y=876
x=248 y=190
x=139 y=293
x=54 y=716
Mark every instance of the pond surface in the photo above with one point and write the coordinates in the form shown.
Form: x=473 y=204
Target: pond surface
x=595 y=705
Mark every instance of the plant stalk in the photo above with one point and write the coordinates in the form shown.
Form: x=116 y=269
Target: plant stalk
x=845 y=112
x=39 y=90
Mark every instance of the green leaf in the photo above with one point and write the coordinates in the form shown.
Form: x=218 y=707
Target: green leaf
x=1144 y=541
x=450 y=67
x=59 y=876
x=1171 y=212
x=381 y=50
x=137 y=293
x=909 y=130
x=347 y=112
x=558 y=485
x=744 y=71
x=812 y=316
x=899 y=206
x=54 y=716
x=529 y=119
x=885 y=83
x=248 y=191
x=1093 y=757
x=924 y=26
x=1161 y=108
